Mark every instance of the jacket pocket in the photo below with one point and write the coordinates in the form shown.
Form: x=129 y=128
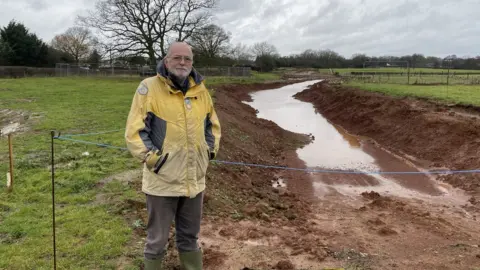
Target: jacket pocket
x=160 y=163
x=174 y=170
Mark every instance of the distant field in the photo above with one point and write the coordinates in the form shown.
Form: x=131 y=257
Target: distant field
x=397 y=69
x=458 y=94
x=416 y=76
x=257 y=77
x=419 y=78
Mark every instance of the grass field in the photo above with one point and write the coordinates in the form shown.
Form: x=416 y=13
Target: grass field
x=416 y=76
x=91 y=234
x=417 y=79
x=456 y=94
x=397 y=69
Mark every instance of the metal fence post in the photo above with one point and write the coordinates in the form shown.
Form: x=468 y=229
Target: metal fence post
x=10 y=151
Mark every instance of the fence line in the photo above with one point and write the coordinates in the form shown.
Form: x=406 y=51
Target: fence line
x=308 y=170
x=24 y=71
x=143 y=71
x=89 y=70
x=414 y=78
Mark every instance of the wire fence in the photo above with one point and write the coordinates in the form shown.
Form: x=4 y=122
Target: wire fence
x=416 y=78
x=382 y=76
x=24 y=71
x=68 y=137
x=63 y=70
x=89 y=70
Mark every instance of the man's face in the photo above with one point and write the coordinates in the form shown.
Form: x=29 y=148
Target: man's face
x=180 y=61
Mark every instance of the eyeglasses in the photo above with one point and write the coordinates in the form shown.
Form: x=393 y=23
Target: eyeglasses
x=178 y=58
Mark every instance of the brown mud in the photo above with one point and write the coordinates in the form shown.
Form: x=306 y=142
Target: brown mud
x=252 y=221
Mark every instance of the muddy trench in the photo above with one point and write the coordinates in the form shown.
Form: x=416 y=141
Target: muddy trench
x=409 y=135
x=257 y=218
x=335 y=149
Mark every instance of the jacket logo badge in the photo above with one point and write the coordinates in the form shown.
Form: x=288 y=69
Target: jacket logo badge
x=188 y=103
x=142 y=89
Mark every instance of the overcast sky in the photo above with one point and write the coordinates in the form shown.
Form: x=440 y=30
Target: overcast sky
x=374 y=27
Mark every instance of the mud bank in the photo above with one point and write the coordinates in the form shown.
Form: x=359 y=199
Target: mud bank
x=429 y=135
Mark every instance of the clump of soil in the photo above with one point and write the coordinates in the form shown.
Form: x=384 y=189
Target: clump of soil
x=387 y=231
x=372 y=195
x=284 y=265
x=213 y=257
x=376 y=222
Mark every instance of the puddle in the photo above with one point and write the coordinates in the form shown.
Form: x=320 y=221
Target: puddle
x=335 y=149
x=13 y=121
x=10 y=128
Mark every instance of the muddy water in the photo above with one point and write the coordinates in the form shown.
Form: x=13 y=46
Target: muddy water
x=335 y=149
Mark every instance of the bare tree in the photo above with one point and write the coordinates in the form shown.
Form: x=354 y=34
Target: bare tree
x=264 y=49
x=211 y=41
x=241 y=53
x=77 y=42
x=146 y=27
x=191 y=16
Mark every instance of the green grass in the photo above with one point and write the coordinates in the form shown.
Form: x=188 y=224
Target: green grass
x=90 y=234
x=397 y=69
x=458 y=94
x=417 y=79
x=257 y=77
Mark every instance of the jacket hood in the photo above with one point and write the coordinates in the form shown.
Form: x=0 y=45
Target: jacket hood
x=162 y=71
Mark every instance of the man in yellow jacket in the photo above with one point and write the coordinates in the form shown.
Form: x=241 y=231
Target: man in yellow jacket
x=172 y=127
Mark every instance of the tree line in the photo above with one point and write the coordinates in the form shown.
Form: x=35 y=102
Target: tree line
x=137 y=33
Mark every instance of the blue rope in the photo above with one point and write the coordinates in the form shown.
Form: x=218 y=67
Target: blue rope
x=88 y=134
x=93 y=143
x=290 y=168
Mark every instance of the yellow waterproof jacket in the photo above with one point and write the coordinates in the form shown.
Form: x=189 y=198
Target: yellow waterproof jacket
x=182 y=128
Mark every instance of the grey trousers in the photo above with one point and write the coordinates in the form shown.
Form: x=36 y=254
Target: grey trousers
x=161 y=212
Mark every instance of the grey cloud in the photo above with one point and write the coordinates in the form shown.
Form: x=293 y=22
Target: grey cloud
x=375 y=27
x=44 y=18
x=38 y=4
x=403 y=28
x=275 y=9
x=232 y=5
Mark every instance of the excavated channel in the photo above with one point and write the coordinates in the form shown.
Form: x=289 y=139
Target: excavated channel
x=335 y=149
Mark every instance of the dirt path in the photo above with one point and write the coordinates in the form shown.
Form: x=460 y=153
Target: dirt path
x=253 y=222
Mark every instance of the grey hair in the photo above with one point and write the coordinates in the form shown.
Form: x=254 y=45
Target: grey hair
x=169 y=51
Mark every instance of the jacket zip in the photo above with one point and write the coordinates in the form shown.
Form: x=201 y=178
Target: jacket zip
x=188 y=150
